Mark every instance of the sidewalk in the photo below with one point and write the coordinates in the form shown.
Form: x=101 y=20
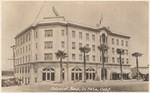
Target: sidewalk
x=114 y=85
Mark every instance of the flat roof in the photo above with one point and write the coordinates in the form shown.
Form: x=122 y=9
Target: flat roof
x=61 y=21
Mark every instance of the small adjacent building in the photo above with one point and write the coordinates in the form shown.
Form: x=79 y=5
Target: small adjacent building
x=37 y=44
x=143 y=73
x=7 y=74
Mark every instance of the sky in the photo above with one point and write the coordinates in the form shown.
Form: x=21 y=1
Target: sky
x=128 y=18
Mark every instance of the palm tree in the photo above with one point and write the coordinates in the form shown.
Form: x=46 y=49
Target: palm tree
x=121 y=52
x=103 y=48
x=137 y=54
x=84 y=50
x=61 y=55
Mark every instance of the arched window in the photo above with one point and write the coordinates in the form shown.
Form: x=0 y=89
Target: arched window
x=76 y=74
x=103 y=38
x=76 y=69
x=90 y=74
x=48 y=74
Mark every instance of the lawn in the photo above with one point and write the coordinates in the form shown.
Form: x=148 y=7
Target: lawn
x=89 y=86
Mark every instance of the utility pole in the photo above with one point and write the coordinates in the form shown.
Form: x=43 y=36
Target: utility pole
x=13 y=48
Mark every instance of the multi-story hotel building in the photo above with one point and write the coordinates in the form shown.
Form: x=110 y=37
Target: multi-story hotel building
x=37 y=44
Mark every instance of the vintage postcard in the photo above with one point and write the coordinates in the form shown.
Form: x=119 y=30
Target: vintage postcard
x=74 y=46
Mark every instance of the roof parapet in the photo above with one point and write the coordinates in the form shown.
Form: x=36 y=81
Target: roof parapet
x=58 y=18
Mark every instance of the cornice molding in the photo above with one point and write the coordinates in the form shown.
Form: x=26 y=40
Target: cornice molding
x=64 y=23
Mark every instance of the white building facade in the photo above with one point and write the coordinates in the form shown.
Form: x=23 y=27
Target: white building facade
x=37 y=44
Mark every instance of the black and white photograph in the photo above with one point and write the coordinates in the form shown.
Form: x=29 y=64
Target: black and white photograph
x=75 y=46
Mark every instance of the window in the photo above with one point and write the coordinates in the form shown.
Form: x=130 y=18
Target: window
x=126 y=43
x=76 y=74
x=44 y=76
x=100 y=59
x=28 y=80
x=18 y=42
x=73 y=57
x=90 y=74
x=29 y=47
x=80 y=35
x=72 y=76
x=36 y=45
x=87 y=45
x=104 y=38
x=87 y=57
x=20 y=60
x=36 y=34
x=22 y=69
x=93 y=48
x=16 y=52
x=117 y=42
x=87 y=36
x=35 y=70
x=62 y=32
x=73 y=45
x=62 y=44
x=93 y=57
x=29 y=36
x=35 y=79
x=22 y=80
x=113 y=41
x=93 y=37
x=28 y=57
x=49 y=33
x=23 y=59
x=113 y=59
x=48 y=45
x=113 y=51
x=23 y=40
x=118 y=60
x=23 y=49
x=80 y=45
x=122 y=60
x=80 y=57
x=48 y=56
x=105 y=59
x=122 y=43
x=52 y=76
x=28 y=69
x=35 y=56
x=20 y=50
x=100 y=39
x=127 y=52
x=48 y=74
x=127 y=61
x=26 y=48
x=73 y=34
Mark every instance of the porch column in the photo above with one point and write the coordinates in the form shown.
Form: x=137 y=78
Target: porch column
x=32 y=74
x=57 y=73
x=39 y=75
x=99 y=73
